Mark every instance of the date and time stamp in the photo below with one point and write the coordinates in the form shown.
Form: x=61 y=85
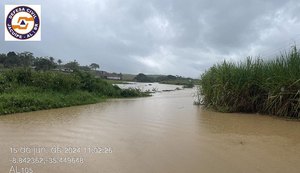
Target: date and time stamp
x=22 y=158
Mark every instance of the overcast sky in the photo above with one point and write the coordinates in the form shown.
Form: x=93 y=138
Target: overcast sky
x=179 y=37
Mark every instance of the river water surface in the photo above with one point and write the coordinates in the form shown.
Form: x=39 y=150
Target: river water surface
x=164 y=133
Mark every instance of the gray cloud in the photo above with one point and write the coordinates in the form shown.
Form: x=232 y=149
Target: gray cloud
x=167 y=37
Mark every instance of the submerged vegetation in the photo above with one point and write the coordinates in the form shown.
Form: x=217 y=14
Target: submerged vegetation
x=267 y=87
x=28 y=84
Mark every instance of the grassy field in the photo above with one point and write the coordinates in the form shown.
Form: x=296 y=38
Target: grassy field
x=267 y=87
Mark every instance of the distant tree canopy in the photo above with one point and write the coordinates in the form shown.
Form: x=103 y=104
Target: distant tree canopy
x=143 y=78
x=51 y=59
x=84 y=68
x=168 y=79
x=59 y=61
x=26 y=59
x=72 y=65
x=44 y=64
x=94 y=66
x=12 y=59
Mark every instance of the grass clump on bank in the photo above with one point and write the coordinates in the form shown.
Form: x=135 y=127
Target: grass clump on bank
x=268 y=87
x=23 y=90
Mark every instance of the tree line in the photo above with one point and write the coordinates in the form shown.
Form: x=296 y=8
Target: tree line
x=27 y=59
x=166 y=79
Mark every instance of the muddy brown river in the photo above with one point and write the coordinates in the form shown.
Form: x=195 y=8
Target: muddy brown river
x=164 y=133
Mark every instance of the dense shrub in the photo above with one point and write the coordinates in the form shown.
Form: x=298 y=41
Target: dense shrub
x=55 y=81
x=96 y=85
x=24 y=90
x=132 y=92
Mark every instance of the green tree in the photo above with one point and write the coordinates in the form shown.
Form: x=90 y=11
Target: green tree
x=51 y=59
x=2 y=58
x=44 y=64
x=84 y=68
x=143 y=78
x=94 y=66
x=59 y=62
x=26 y=59
x=11 y=54
x=12 y=60
x=72 y=65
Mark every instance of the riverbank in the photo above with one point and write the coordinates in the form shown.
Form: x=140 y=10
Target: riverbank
x=255 y=86
x=24 y=90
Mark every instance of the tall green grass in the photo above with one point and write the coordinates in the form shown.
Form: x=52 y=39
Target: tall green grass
x=267 y=87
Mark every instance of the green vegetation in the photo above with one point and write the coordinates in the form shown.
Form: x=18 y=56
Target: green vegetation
x=168 y=79
x=32 y=99
x=267 y=87
x=28 y=84
x=26 y=59
x=143 y=78
x=24 y=90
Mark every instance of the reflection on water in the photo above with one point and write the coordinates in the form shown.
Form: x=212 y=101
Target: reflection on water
x=162 y=133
